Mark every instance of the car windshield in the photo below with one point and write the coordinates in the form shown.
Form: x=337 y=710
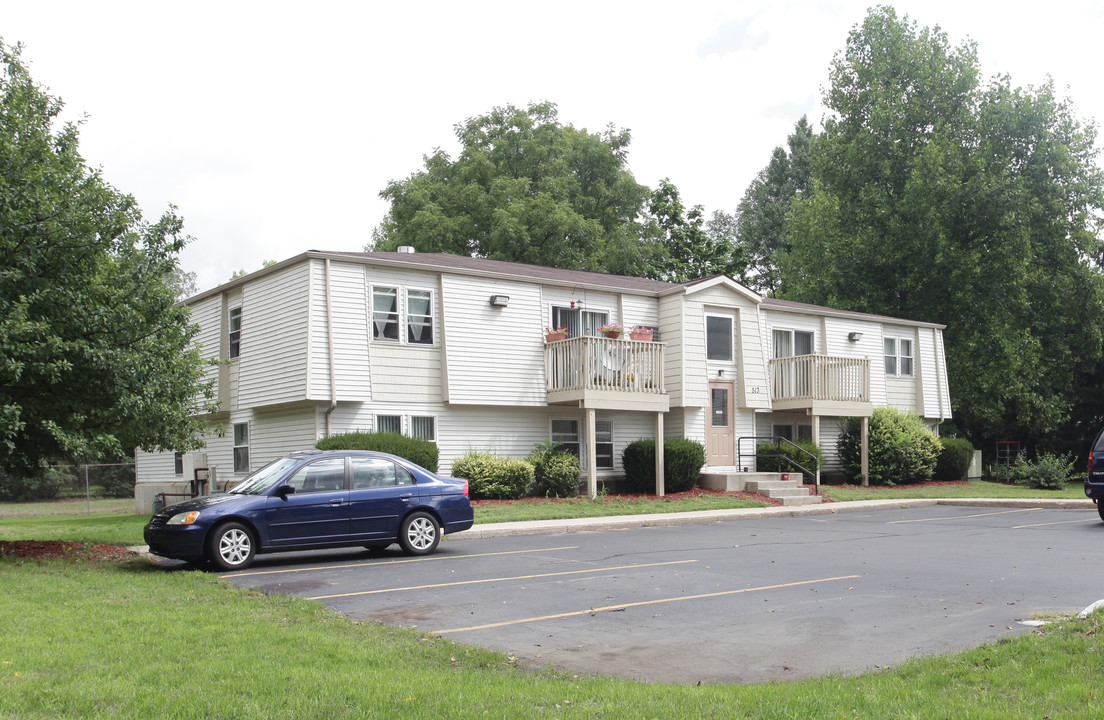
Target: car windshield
x=260 y=481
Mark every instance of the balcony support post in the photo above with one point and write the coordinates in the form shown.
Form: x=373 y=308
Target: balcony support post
x=660 y=483
x=864 y=451
x=592 y=449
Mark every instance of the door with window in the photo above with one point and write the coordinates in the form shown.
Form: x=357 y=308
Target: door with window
x=792 y=379
x=317 y=511
x=720 y=440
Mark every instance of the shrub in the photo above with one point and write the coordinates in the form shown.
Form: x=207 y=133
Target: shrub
x=491 y=477
x=32 y=484
x=954 y=459
x=419 y=452
x=902 y=449
x=682 y=463
x=555 y=471
x=1047 y=472
x=764 y=462
x=117 y=481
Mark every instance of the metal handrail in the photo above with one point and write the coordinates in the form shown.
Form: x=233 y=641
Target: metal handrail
x=740 y=455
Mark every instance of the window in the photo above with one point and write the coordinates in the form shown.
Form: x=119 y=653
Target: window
x=241 y=447
x=235 y=332
x=385 y=313
x=388 y=315
x=783 y=430
x=792 y=343
x=603 y=446
x=579 y=322
x=377 y=472
x=566 y=433
x=718 y=338
x=325 y=475
x=720 y=408
x=419 y=317
x=423 y=427
x=898 y=356
x=389 y=424
x=178 y=463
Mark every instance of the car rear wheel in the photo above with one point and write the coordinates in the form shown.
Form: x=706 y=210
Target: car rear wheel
x=230 y=546
x=1100 y=509
x=419 y=534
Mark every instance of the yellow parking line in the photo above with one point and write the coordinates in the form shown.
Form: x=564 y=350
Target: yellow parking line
x=397 y=562
x=1063 y=522
x=961 y=517
x=503 y=579
x=614 y=608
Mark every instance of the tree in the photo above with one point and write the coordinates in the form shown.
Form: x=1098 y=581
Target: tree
x=690 y=250
x=762 y=213
x=524 y=188
x=96 y=357
x=940 y=199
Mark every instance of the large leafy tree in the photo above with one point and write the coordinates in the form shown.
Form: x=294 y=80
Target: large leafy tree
x=525 y=188
x=944 y=199
x=95 y=357
x=692 y=248
x=762 y=213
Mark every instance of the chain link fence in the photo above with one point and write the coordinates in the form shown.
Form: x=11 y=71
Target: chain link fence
x=61 y=482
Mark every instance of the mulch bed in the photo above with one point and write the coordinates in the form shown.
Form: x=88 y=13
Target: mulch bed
x=60 y=550
x=606 y=499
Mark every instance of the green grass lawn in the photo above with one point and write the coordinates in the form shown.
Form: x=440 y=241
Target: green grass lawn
x=85 y=640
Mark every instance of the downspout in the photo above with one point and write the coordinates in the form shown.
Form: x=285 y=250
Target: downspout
x=330 y=354
x=940 y=368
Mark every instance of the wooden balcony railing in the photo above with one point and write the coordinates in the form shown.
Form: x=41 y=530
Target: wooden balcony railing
x=599 y=363
x=820 y=378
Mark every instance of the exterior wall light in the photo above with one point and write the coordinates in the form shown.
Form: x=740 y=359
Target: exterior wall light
x=854 y=336
x=500 y=300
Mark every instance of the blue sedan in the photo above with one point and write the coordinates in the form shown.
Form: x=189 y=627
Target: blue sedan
x=315 y=499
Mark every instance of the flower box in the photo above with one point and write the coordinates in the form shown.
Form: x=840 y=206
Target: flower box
x=644 y=335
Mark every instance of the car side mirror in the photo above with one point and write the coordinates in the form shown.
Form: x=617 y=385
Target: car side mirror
x=285 y=490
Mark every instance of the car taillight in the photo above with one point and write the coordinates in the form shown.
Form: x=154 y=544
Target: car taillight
x=465 y=488
x=1090 y=460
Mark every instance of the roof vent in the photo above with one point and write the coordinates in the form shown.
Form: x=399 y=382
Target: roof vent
x=406 y=249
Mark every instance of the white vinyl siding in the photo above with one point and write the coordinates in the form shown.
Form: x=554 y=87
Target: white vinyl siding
x=348 y=306
x=275 y=317
x=495 y=355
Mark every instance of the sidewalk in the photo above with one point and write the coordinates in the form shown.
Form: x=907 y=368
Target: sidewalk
x=537 y=527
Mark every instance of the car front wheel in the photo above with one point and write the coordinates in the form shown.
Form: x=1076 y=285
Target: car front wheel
x=231 y=547
x=419 y=534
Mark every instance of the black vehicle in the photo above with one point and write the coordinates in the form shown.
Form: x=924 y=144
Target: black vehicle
x=315 y=499
x=1094 y=481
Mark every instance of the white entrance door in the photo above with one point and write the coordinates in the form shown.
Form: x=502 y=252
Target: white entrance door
x=720 y=439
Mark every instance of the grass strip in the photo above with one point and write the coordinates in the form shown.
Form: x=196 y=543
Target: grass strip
x=131 y=641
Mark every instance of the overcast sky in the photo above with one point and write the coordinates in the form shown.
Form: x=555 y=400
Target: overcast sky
x=273 y=125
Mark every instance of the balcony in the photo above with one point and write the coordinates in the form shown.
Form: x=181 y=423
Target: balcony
x=822 y=385
x=605 y=374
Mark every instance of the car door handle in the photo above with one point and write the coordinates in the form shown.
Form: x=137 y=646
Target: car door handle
x=406 y=496
x=336 y=502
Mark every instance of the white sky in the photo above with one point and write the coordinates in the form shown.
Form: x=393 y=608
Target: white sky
x=273 y=125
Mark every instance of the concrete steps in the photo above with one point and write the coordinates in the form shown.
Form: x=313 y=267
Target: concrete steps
x=788 y=492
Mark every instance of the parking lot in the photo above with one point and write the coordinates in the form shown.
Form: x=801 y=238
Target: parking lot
x=735 y=601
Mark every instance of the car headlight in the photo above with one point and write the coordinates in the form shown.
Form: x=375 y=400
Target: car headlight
x=184 y=518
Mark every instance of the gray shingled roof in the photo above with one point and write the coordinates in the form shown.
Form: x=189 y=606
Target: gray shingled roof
x=535 y=272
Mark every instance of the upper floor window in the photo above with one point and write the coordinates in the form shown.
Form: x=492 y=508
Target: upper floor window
x=792 y=343
x=388 y=315
x=718 y=338
x=235 y=331
x=578 y=322
x=898 y=356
